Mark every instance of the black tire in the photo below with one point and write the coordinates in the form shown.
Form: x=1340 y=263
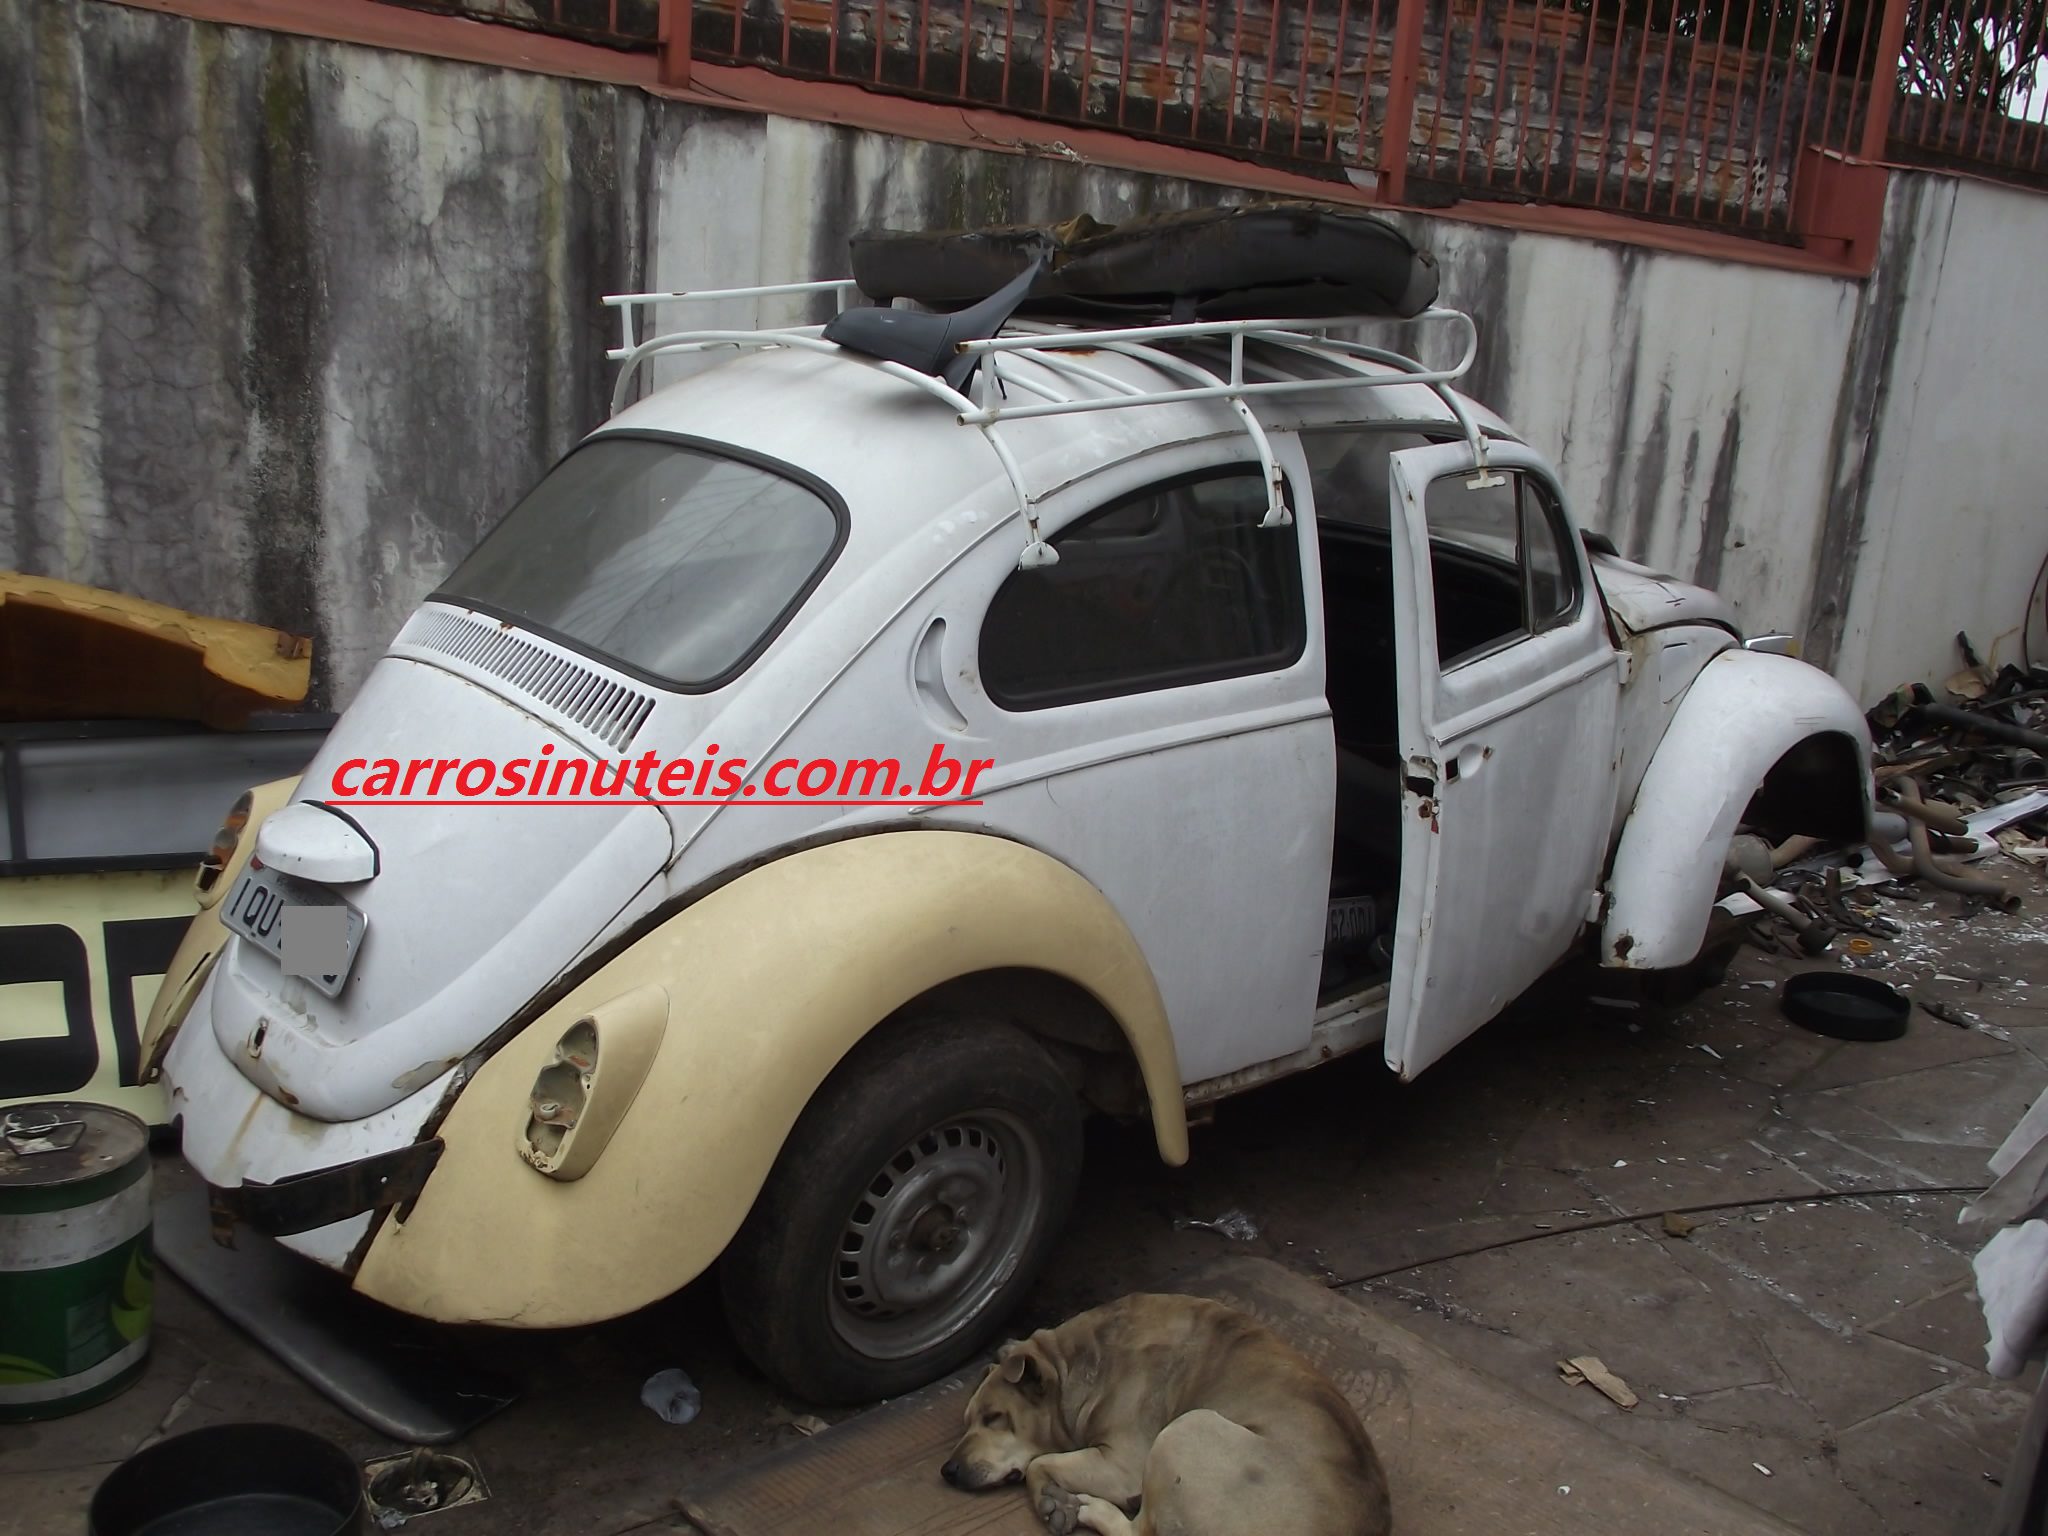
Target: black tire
x=927 y=1127
x=1680 y=985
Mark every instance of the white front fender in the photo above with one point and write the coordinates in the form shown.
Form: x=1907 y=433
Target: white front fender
x=1742 y=715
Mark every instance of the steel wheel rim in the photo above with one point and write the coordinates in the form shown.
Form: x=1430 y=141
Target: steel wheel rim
x=939 y=1230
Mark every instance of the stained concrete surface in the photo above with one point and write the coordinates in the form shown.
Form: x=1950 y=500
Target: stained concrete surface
x=1811 y=1347
x=1432 y=1419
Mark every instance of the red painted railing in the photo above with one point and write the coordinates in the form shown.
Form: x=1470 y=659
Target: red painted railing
x=1973 y=87
x=615 y=23
x=1702 y=112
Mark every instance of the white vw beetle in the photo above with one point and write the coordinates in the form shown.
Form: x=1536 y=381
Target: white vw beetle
x=1311 y=724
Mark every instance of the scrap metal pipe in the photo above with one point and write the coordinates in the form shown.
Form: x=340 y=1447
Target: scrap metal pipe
x=1940 y=817
x=1926 y=868
x=1814 y=934
x=1793 y=849
x=1889 y=856
x=1997 y=730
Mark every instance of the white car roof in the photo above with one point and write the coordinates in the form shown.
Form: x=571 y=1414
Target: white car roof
x=885 y=445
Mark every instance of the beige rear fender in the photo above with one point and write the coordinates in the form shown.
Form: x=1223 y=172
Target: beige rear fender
x=770 y=980
x=205 y=938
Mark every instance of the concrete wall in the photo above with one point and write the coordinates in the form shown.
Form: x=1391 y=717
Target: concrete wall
x=290 y=322
x=286 y=325
x=1943 y=514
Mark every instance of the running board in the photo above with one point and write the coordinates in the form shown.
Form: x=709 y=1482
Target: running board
x=399 y=1376
x=1341 y=1027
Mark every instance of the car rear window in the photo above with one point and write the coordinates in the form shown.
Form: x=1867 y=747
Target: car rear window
x=675 y=561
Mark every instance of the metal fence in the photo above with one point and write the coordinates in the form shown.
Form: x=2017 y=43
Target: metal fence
x=1973 y=87
x=630 y=24
x=1695 y=111
x=1293 y=80
x=1676 y=110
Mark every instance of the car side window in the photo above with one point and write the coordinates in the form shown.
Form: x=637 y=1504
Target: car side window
x=1176 y=584
x=1348 y=468
x=1499 y=566
x=1553 y=575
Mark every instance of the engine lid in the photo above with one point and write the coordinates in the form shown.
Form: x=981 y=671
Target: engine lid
x=470 y=908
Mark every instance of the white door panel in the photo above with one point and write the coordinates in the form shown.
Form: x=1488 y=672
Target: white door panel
x=1203 y=811
x=1201 y=848
x=1509 y=783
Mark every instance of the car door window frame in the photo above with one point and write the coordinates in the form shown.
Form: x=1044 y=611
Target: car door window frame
x=1536 y=497
x=1288 y=569
x=1550 y=508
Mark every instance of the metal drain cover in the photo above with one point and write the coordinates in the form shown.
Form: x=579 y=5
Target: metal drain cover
x=421 y=1482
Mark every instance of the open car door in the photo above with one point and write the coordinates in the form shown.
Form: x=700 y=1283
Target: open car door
x=1508 y=693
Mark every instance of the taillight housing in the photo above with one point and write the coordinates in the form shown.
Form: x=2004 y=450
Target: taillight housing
x=580 y=1096
x=222 y=852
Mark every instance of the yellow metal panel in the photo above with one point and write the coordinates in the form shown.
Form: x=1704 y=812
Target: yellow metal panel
x=772 y=978
x=80 y=962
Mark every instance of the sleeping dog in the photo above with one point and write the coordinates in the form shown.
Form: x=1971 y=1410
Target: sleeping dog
x=1179 y=1411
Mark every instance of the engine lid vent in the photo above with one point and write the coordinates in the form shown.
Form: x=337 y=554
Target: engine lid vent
x=570 y=692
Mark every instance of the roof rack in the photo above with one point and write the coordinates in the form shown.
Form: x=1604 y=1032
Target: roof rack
x=1049 y=347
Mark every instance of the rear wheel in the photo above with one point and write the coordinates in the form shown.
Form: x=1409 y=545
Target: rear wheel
x=911 y=1208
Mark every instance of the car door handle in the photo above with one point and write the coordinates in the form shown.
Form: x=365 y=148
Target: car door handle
x=1470 y=759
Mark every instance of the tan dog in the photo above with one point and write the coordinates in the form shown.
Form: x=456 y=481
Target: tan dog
x=1193 y=1415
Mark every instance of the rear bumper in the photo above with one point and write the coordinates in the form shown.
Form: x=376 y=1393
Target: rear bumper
x=315 y=1184
x=302 y=1202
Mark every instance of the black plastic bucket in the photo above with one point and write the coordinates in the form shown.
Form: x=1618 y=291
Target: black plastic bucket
x=233 y=1480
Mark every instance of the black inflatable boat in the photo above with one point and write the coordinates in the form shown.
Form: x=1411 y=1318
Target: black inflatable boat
x=1274 y=261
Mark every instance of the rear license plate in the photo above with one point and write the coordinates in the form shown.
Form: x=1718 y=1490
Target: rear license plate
x=256 y=909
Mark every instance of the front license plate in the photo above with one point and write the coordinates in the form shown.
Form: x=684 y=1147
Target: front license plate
x=256 y=909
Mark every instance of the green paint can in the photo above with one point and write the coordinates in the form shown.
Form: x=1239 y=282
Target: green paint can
x=75 y=1268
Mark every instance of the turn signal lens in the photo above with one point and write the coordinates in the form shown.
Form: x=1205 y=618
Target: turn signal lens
x=225 y=841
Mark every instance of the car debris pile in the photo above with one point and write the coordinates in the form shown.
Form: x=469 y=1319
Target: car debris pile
x=1957 y=782
x=1969 y=778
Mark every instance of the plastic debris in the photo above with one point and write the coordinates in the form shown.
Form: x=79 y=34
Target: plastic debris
x=1949 y=1013
x=803 y=1423
x=2018 y=845
x=672 y=1395
x=1587 y=1370
x=1236 y=1225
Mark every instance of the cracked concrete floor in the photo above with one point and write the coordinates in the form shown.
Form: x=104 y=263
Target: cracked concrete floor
x=1811 y=1346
